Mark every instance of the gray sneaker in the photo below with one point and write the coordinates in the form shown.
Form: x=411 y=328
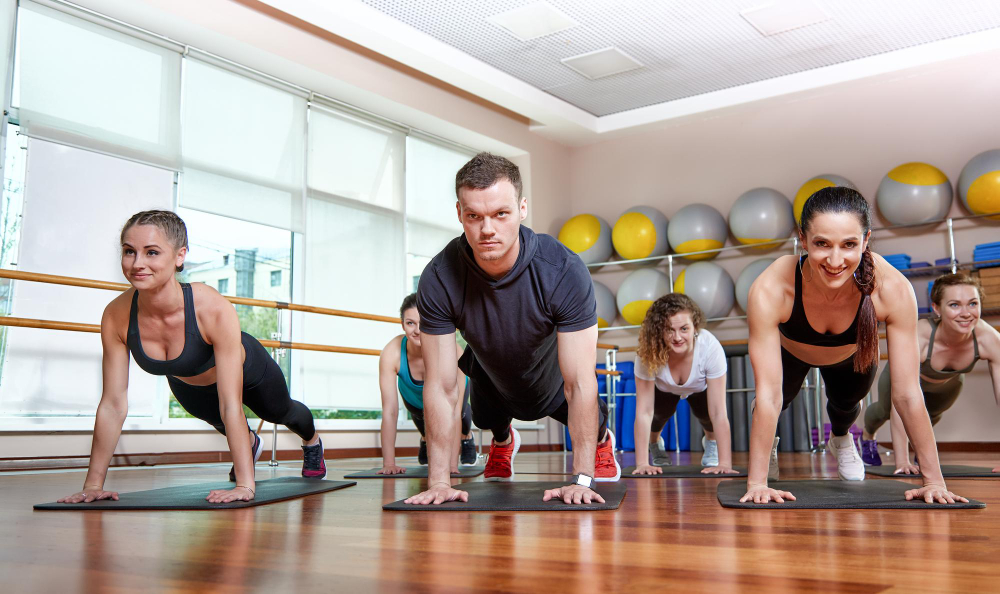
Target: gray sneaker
x=711 y=455
x=772 y=465
x=659 y=453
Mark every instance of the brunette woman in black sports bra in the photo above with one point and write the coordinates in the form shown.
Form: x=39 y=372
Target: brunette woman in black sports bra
x=191 y=334
x=822 y=310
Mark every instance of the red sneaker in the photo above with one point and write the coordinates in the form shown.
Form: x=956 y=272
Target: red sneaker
x=606 y=468
x=500 y=463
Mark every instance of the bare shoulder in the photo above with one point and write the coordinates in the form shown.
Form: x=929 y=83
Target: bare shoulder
x=773 y=292
x=391 y=349
x=209 y=301
x=892 y=290
x=989 y=341
x=116 y=314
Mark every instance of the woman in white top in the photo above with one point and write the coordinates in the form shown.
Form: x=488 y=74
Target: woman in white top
x=677 y=359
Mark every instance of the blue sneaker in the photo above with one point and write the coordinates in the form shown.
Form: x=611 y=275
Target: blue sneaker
x=869 y=452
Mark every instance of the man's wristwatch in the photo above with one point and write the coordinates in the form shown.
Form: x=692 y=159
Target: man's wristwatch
x=584 y=481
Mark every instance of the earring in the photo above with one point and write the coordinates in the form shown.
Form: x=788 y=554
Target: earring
x=802 y=269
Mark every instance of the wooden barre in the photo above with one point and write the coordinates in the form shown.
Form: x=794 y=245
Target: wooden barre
x=96 y=328
x=601 y=345
x=606 y=372
x=110 y=286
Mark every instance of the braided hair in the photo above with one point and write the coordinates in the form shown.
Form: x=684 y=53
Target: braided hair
x=837 y=200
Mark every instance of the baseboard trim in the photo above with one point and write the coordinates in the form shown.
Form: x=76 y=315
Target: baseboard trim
x=209 y=457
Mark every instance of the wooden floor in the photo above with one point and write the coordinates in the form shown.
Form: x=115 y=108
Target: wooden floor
x=668 y=533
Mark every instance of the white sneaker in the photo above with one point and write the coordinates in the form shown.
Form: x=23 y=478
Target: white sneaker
x=711 y=455
x=850 y=467
x=772 y=465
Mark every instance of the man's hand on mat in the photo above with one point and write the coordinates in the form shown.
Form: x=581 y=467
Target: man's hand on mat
x=573 y=494
x=934 y=494
x=647 y=469
x=719 y=470
x=438 y=494
x=765 y=494
x=240 y=493
x=907 y=468
x=392 y=469
x=88 y=495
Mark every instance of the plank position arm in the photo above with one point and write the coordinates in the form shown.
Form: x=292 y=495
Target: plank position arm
x=440 y=393
x=388 y=367
x=223 y=331
x=645 y=399
x=908 y=399
x=111 y=411
x=576 y=363
x=720 y=426
x=763 y=316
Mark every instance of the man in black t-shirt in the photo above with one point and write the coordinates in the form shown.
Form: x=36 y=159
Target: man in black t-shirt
x=525 y=305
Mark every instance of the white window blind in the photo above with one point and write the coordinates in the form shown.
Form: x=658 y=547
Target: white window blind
x=85 y=85
x=353 y=261
x=354 y=158
x=243 y=147
x=7 y=12
x=75 y=204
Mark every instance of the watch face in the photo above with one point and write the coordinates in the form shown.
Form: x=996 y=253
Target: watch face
x=584 y=480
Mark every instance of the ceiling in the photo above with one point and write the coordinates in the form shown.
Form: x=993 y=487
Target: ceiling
x=696 y=55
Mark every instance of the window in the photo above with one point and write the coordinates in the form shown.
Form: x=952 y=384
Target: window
x=224 y=286
x=275 y=278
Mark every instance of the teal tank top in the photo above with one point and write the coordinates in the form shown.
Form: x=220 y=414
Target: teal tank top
x=411 y=390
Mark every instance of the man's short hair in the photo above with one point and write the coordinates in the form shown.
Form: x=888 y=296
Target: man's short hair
x=486 y=169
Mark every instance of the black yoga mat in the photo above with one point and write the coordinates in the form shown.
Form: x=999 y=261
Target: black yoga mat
x=514 y=496
x=676 y=472
x=836 y=494
x=193 y=496
x=948 y=470
x=415 y=472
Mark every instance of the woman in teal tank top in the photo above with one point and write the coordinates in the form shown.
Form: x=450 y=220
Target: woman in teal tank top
x=951 y=345
x=401 y=369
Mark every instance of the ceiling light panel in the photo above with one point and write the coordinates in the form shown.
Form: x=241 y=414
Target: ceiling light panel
x=686 y=47
x=601 y=63
x=780 y=16
x=533 y=20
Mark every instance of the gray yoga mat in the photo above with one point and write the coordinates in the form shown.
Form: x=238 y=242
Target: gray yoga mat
x=836 y=494
x=676 y=472
x=948 y=470
x=193 y=496
x=515 y=496
x=415 y=472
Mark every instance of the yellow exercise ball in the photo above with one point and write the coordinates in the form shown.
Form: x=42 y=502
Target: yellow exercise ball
x=815 y=184
x=641 y=232
x=589 y=236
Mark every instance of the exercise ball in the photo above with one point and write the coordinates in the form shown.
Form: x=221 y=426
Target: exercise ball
x=606 y=310
x=589 y=236
x=914 y=193
x=813 y=185
x=761 y=215
x=746 y=278
x=710 y=286
x=979 y=184
x=697 y=227
x=638 y=291
x=640 y=232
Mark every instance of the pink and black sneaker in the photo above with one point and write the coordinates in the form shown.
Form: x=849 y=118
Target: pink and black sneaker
x=313 y=464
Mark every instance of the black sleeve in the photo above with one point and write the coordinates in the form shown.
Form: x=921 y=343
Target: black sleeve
x=433 y=305
x=573 y=303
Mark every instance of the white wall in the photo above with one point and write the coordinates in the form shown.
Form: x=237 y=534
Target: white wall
x=942 y=114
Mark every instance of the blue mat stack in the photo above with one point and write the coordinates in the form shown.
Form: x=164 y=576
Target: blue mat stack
x=898 y=261
x=987 y=251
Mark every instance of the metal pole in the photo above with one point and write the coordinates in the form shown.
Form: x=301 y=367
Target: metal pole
x=670 y=271
x=816 y=388
x=951 y=246
x=276 y=353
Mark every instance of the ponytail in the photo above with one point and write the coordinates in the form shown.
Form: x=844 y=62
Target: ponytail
x=867 y=330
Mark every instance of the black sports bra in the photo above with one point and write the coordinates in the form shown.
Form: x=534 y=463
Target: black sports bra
x=797 y=327
x=197 y=356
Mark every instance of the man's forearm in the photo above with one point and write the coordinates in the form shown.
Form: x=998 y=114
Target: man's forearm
x=441 y=426
x=583 y=425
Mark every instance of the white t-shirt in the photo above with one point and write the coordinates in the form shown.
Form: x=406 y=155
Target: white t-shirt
x=709 y=363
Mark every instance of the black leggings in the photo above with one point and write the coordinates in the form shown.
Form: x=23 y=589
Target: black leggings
x=417 y=414
x=496 y=413
x=845 y=388
x=665 y=405
x=264 y=392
